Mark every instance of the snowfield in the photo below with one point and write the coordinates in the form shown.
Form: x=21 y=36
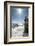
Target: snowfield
x=17 y=31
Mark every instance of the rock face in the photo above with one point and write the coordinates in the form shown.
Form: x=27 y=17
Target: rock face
x=26 y=26
x=18 y=31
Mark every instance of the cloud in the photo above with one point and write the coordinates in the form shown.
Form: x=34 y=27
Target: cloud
x=17 y=22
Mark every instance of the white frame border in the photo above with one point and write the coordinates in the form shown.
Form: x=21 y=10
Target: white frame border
x=30 y=23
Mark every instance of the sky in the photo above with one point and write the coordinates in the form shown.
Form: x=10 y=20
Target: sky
x=18 y=15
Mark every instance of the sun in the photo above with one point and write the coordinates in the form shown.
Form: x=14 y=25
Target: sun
x=19 y=11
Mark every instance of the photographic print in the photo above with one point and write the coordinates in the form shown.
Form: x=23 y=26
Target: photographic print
x=18 y=22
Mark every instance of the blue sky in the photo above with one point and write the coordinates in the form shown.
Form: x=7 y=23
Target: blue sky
x=18 y=14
